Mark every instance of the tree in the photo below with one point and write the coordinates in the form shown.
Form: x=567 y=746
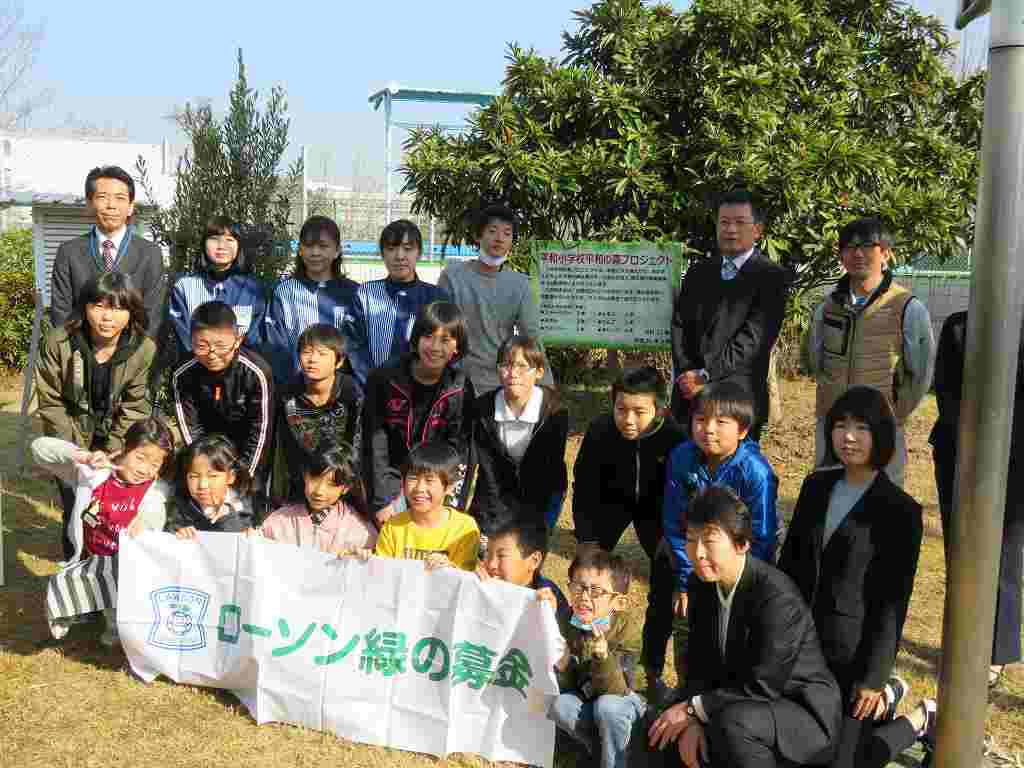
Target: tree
x=233 y=168
x=19 y=46
x=826 y=109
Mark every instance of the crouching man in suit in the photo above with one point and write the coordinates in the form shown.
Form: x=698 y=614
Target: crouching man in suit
x=758 y=692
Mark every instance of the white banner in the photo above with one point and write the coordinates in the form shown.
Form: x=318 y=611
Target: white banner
x=378 y=652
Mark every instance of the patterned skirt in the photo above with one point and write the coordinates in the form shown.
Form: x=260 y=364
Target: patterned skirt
x=80 y=588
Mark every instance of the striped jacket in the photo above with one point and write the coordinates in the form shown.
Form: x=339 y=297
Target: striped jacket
x=298 y=303
x=237 y=402
x=383 y=312
x=245 y=294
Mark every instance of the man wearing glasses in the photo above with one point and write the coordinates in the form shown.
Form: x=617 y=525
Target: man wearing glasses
x=870 y=331
x=729 y=313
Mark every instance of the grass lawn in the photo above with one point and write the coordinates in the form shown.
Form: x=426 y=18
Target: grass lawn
x=74 y=705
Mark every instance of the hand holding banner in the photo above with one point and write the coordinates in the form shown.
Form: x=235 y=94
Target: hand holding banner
x=380 y=652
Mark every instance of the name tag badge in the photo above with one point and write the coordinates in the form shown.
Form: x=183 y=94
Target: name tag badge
x=244 y=316
x=339 y=317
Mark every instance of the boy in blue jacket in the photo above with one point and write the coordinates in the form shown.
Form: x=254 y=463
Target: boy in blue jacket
x=718 y=453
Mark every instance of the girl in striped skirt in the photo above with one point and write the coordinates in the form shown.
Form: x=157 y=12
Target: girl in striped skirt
x=112 y=494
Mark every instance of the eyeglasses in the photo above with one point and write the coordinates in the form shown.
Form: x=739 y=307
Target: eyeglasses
x=576 y=589
x=851 y=247
x=517 y=367
x=202 y=348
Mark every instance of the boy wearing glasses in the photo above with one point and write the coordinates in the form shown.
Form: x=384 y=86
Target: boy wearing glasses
x=227 y=390
x=870 y=331
x=518 y=442
x=598 y=707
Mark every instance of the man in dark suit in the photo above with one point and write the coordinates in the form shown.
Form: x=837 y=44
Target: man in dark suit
x=757 y=691
x=729 y=313
x=109 y=245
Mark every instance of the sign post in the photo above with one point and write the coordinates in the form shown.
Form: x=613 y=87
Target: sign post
x=987 y=407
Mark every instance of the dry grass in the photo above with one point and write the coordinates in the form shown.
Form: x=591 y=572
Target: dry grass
x=73 y=704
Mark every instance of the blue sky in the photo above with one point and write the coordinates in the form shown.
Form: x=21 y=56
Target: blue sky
x=128 y=67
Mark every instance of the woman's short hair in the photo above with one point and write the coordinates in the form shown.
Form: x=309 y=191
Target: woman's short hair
x=529 y=346
x=215 y=227
x=440 y=315
x=869 y=405
x=116 y=290
x=394 y=234
x=312 y=230
x=721 y=506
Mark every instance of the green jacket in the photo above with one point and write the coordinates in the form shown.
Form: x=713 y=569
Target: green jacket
x=595 y=677
x=63 y=390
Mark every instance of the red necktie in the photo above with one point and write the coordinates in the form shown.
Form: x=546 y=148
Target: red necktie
x=108 y=255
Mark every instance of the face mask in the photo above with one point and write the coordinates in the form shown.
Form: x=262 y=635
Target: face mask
x=601 y=624
x=492 y=261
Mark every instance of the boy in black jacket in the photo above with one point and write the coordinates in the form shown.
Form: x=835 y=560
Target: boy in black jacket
x=227 y=390
x=320 y=406
x=619 y=478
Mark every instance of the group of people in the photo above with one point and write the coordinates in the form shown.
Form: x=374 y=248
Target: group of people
x=402 y=419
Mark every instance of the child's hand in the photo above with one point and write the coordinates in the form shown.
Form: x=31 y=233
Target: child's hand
x=547 y=596
x=252 y=533
x=93 y=459
x=136 y=528
x=188 y=532
x=563 y=663
x=600 y=645
x=360 y=553
x=436 y=561
x=482 y=572
x=680 y=602
x=384 y=514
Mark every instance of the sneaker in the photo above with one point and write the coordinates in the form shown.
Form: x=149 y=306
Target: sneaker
x=895 y=689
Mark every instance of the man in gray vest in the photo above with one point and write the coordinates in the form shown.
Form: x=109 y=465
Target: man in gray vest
x=870 y=331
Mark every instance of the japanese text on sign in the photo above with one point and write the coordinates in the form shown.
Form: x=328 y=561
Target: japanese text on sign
x=606 y=295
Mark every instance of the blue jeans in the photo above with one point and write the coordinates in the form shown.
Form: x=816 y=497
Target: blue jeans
x=607 y=717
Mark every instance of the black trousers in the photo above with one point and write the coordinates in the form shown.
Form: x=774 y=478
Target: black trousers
x=659 y=617
x=745 y=735
x=67 y=499
x=1006 y=648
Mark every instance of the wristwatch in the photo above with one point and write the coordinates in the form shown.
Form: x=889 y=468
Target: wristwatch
x=691 y=711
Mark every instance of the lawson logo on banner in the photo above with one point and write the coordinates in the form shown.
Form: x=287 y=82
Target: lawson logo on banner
x=380 y=652
x=178 y=614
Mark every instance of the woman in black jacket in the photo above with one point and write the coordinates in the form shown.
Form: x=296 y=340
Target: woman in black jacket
x=852 y=549
x=519 y=433
x=419 y=397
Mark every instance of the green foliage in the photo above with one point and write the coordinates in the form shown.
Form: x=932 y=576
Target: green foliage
x=16 y=251
x=17 y=310
x=233 y=169
x=826 y=109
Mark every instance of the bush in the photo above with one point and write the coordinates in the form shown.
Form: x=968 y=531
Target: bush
x=17 y=309
x=16 y=251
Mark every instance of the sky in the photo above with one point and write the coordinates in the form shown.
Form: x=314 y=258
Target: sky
x=128 y=68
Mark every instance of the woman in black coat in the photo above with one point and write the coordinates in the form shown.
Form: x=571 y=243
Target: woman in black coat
x=852 y=549
x=758 y=691
x=518 y=446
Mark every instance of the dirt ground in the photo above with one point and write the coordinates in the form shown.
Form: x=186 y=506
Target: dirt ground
x=73 y=704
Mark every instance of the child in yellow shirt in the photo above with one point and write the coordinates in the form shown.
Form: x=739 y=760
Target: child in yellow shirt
x=427 y=529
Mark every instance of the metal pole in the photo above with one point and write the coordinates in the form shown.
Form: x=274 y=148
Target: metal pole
x=305 y=184
x=431 y=237
x=986 y=412
x=387 y=158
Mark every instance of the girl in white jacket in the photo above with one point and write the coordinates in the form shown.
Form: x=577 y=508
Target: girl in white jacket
x=112 y=494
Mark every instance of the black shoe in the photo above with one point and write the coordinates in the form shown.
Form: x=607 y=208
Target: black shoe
x=895 y=689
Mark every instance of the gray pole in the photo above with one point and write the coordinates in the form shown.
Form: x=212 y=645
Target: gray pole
x=305 y=184
x=387 y=158
x=986 y=412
